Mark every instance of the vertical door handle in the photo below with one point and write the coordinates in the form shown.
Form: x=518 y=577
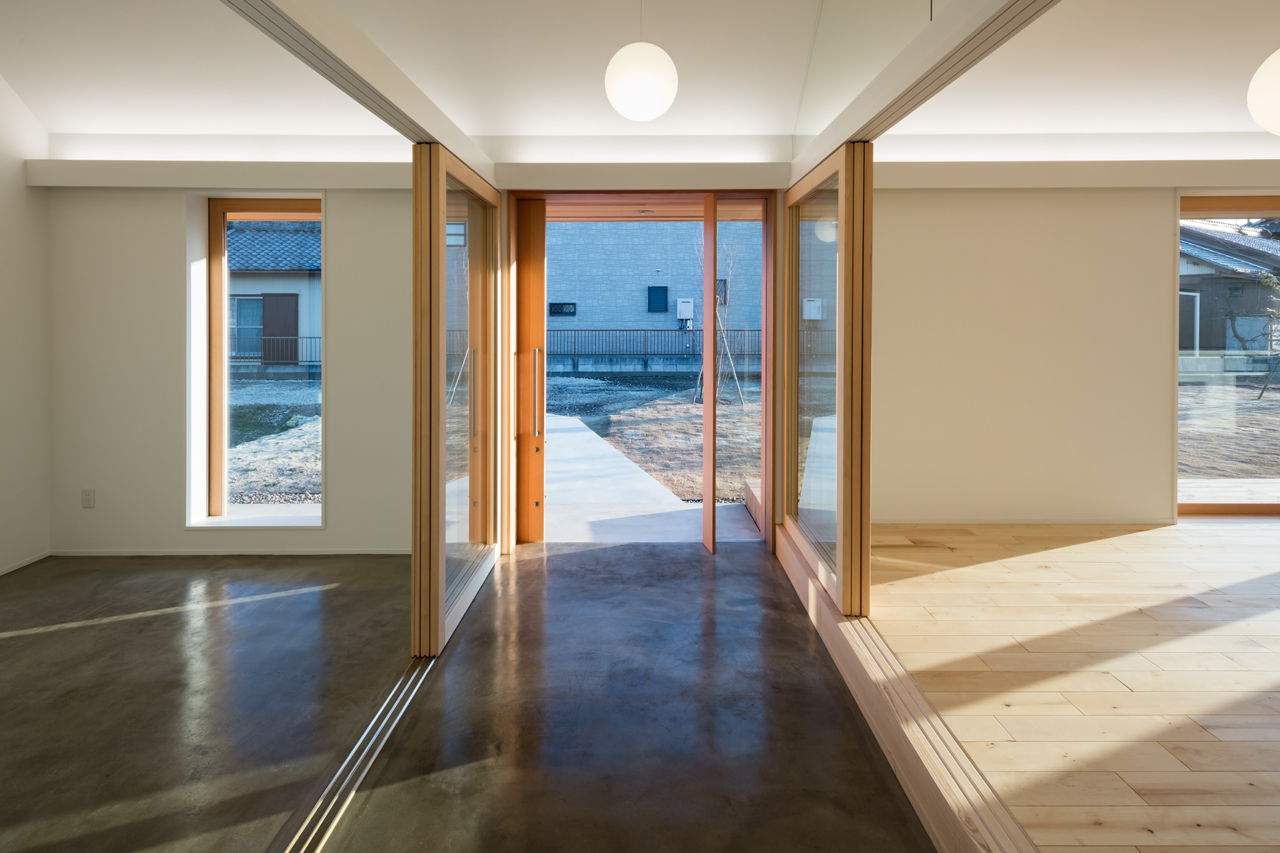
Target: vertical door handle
x=471 y=390
x=537 y=374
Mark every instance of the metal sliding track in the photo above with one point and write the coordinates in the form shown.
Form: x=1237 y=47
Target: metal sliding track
x=315 y=829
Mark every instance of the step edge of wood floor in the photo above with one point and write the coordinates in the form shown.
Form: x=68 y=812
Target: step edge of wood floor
x=959 y=808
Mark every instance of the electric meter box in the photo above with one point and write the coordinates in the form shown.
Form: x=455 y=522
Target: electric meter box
x=684 y=309
x=811 y=309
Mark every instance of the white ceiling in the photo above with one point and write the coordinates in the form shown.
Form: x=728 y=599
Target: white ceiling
x=757 y=77
x=1138 y=71
x=499 y=68
x=163 y=67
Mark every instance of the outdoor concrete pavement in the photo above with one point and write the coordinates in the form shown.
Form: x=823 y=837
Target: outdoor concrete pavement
x=594 y=493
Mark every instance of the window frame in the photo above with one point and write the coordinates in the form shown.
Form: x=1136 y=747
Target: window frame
x=221 y=211
x=1211 y=207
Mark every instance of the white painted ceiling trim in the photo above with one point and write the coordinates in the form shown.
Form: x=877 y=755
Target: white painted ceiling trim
x=1036 y=147
x=643 y=176
x=146 y=174
x=1187 y=177
x=385 y=148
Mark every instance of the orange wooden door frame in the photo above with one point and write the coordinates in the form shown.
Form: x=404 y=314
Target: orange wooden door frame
x=710 y=392
x=527 y=221
x=531 y=366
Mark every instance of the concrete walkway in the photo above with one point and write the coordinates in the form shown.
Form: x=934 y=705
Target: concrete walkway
x=594 y=493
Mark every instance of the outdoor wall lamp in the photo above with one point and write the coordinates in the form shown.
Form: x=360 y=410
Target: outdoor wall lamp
x=1264 y=94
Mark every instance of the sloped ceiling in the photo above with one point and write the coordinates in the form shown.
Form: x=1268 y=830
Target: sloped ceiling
x=163 y=67
x=1102 y=79
x=1091 y=79
x=525 y=79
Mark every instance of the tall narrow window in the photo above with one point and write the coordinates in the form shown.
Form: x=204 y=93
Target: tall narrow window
x=1229 y=355
x=265 y=359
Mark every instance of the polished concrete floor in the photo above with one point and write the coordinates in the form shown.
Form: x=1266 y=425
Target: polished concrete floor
x=641 y=697
x=186 y=704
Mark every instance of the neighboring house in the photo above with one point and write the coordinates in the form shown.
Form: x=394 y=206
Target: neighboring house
x=632 y=275
x=627 y=296
x=1223 y=298
x=274 y=311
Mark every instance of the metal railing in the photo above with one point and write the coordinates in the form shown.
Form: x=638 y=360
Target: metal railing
x=644 y=342
x=259 y=349
x=654 y=342
x=817 y=342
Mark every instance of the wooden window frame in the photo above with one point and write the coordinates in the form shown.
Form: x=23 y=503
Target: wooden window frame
x=222 y=211
x=1228 y=207
x=848 y=581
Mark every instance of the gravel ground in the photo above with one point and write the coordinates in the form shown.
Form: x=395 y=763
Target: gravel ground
x=277 y=469
x=1222 y=432
x=284 y=392
x=655 y=423
x=1226 y=432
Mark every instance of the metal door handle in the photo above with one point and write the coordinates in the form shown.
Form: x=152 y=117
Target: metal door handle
x=537 y=353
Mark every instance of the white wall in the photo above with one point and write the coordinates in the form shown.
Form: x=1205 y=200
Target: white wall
x=24 y=342
x=1024 y=355
x=118 y=306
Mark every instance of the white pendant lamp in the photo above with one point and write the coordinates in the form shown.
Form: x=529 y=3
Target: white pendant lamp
x=641 y=81
x=1264 y=94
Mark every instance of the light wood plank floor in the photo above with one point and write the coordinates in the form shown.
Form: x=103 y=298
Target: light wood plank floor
x=1119 y=686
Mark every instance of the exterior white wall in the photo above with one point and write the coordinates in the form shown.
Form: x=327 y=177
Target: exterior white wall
x=24 y=342
x=1024 y=355
x=118 y=284
x=309 y=290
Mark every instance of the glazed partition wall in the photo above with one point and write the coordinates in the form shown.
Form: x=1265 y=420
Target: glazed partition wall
x=1229 y=355
x=455 y=518
x=824 y=311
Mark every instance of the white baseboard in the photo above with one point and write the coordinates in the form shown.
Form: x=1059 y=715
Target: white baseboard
x=13 y=567
x=957 y=805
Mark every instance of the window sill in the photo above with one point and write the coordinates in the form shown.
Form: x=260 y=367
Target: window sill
x=286 y=516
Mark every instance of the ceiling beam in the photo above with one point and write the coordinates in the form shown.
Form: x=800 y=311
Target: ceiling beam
x=962 y=33
x=319 y=34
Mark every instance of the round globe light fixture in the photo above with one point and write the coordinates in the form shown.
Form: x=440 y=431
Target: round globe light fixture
x=641 y=81
x=825 y=230
x=1264 y=94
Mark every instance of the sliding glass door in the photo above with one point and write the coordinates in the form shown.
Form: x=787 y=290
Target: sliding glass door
x=824 y=389
x=455 y=396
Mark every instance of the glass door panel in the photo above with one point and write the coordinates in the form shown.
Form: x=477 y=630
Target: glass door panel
x=1229 y=359
x=816 y=280
x=468 y=429
x=739 y=315
x=825 y=377
x=455 y=431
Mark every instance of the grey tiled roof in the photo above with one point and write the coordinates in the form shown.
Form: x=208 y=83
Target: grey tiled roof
x=1228 y=249
x=1220 y=259
x=274 y=246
